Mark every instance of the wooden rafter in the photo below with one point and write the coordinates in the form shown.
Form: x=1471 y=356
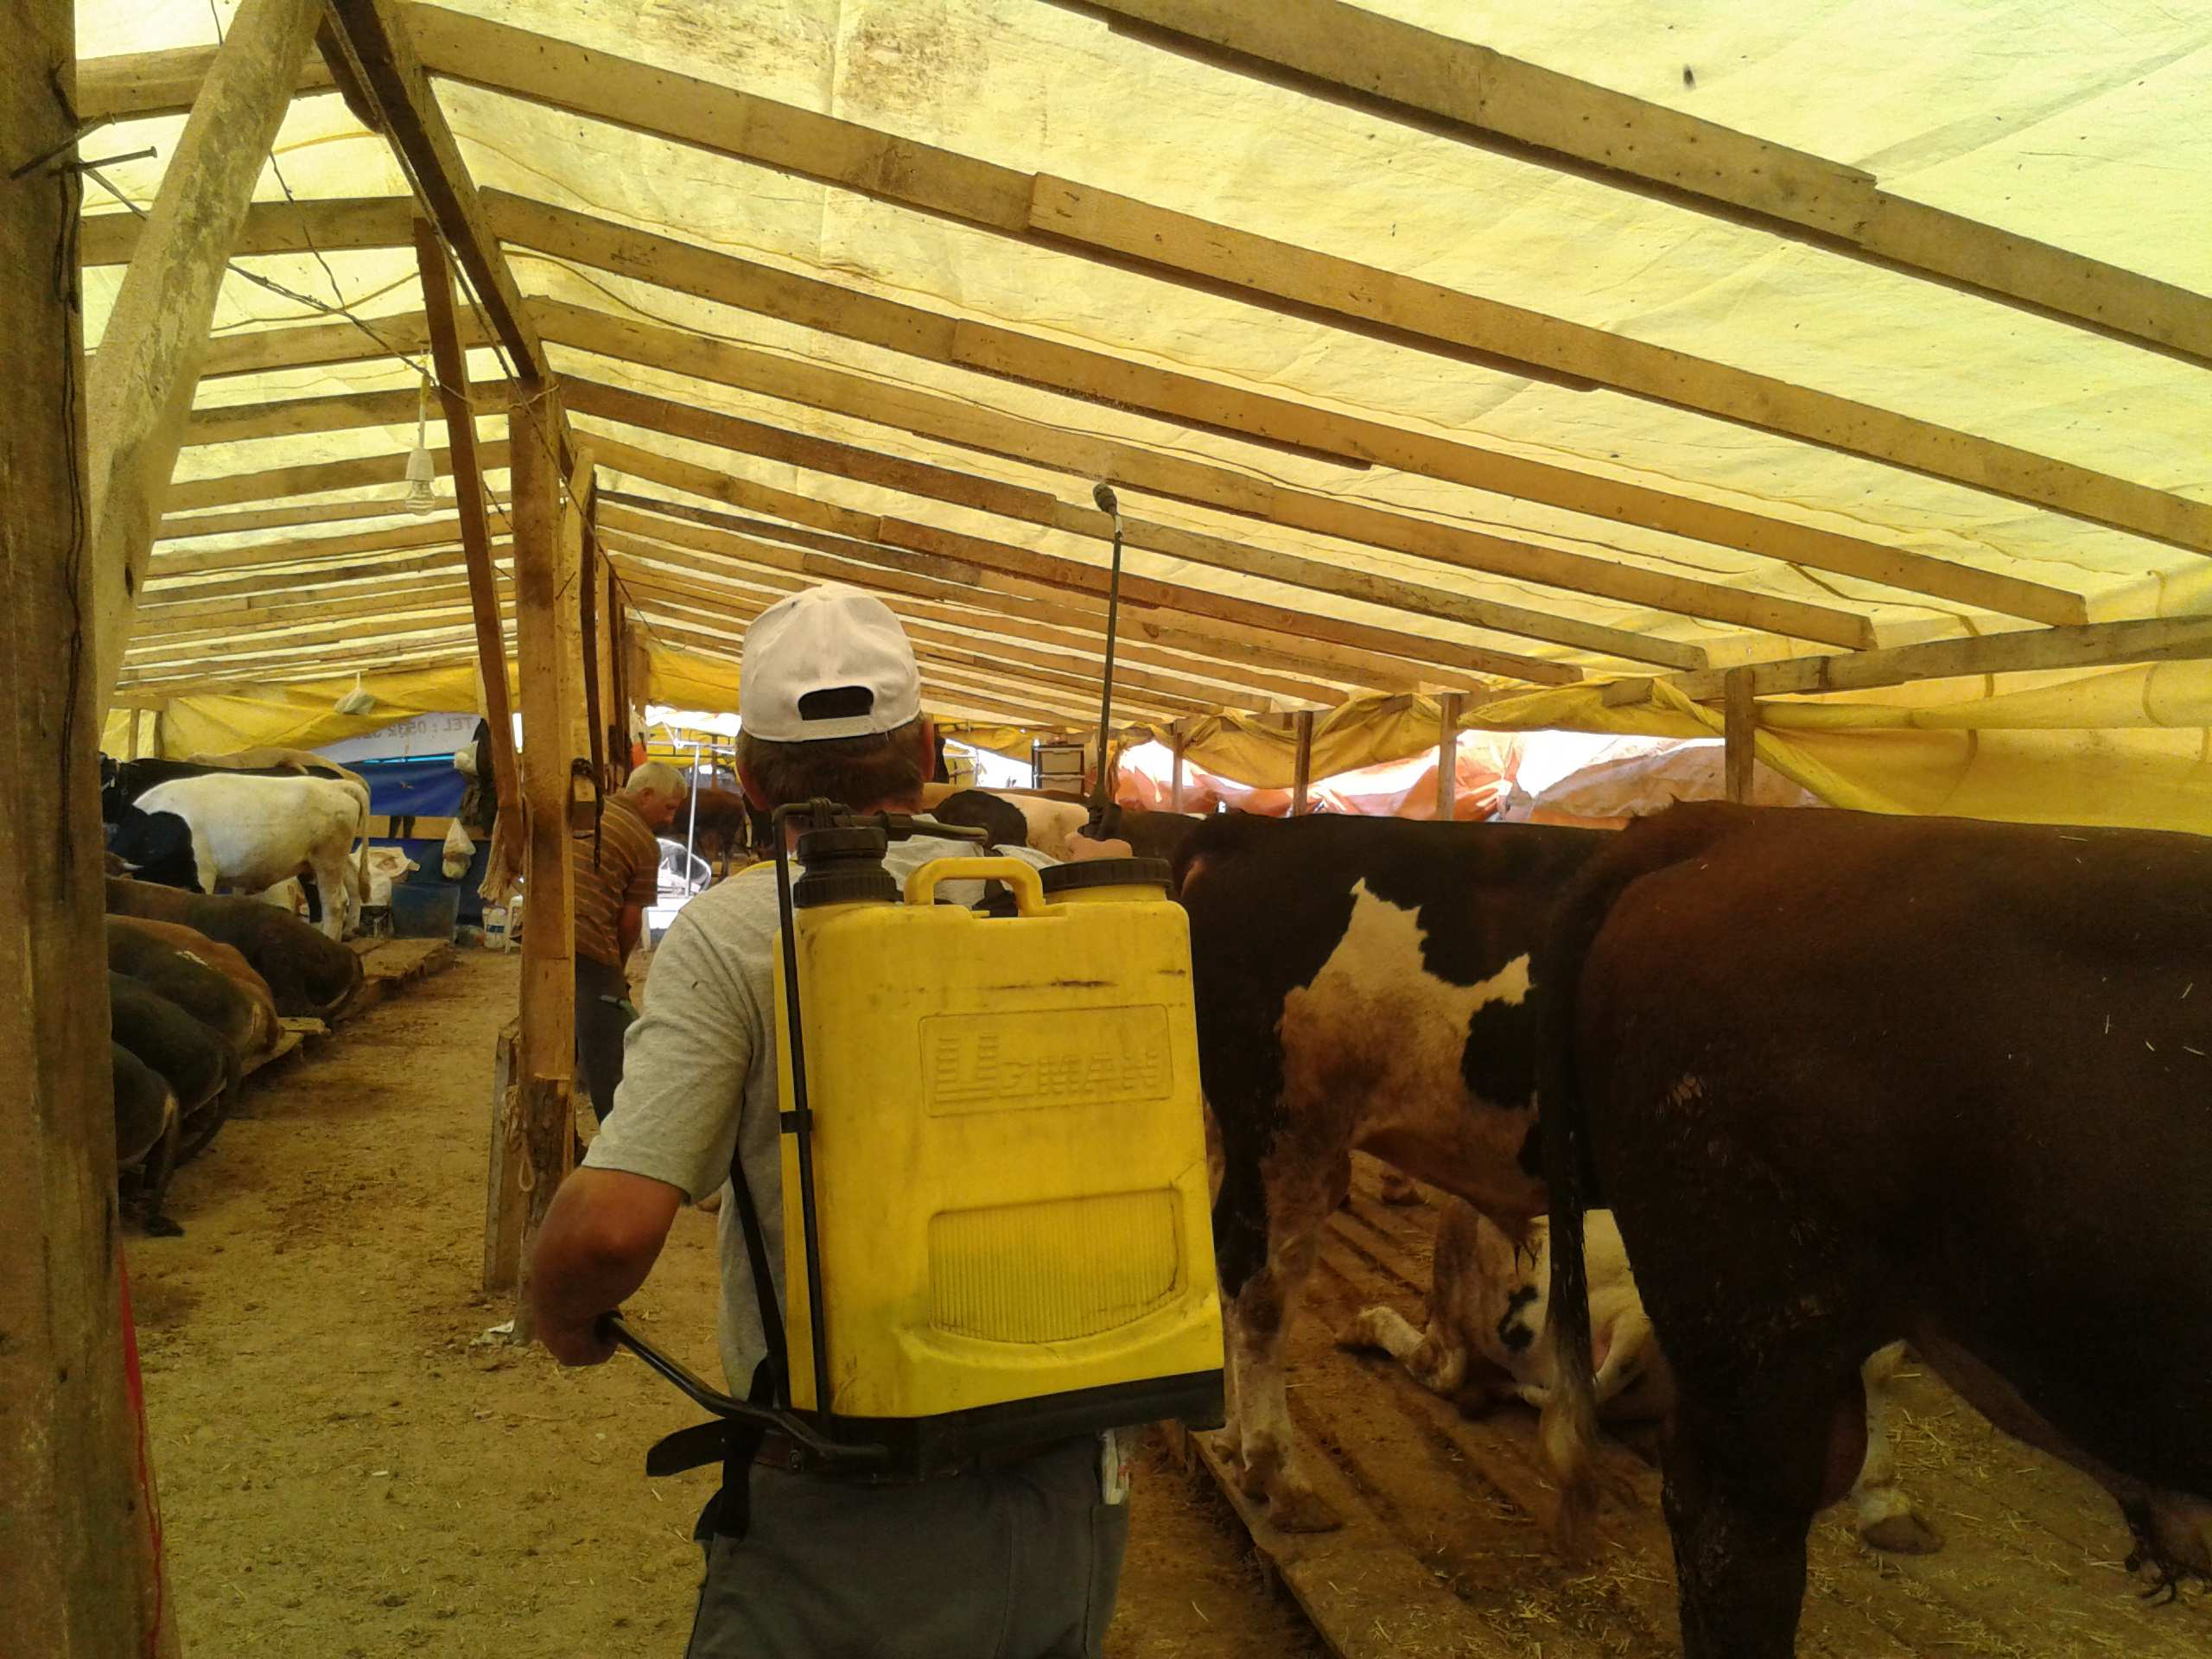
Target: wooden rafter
x=964 y=609
x=1027 y=506
x=449 y=362
x=1241 y=647
x=1182 y=398
x=1188 y=399
x=2160 y=639
x=310 y=478
x=138 y=393
x=1014 y=655
x=1067 y=214
x=1133 y=467
x=903 y=544
x=1633 y=143
x=374 y=35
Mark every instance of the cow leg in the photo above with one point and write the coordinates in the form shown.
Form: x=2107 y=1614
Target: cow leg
x=1264 y=1310
x=1742 y=1483
x=1268 y=1219
x=1886 y=1518
x=330 y=879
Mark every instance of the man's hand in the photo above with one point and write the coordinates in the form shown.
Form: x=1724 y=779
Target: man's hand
x=601 y=1236
x=575 y=1344
x=1081 y=847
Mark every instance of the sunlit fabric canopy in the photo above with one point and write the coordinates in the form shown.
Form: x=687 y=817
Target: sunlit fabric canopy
x=1394 y=407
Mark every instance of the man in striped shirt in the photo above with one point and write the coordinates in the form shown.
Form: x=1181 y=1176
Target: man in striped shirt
x=618 y=875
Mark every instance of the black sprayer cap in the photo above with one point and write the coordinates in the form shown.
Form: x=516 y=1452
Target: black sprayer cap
x=843 y=866
x=1105 y=873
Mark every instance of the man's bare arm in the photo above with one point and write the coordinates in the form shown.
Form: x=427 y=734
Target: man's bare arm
x=602 y=1236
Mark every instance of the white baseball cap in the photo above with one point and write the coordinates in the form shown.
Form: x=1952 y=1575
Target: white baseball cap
x=828 y=662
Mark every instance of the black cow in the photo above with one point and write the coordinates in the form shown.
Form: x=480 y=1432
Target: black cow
x=1000 y=819
x=310 y=974
x=154 y=847
x=202 y=1069
x=1360 y=982
x=146 y=1126
x=1844 y=1079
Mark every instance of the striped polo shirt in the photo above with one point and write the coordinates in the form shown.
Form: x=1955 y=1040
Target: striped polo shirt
x=627 y=872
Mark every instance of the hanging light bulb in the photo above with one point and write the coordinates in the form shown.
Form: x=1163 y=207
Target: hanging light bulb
x=422 y=495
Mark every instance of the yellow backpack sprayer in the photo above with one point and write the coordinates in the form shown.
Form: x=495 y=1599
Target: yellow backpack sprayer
x=996 y=1215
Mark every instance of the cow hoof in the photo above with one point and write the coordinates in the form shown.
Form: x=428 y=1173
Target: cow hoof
x=1301 y=1510
x=1398 y=1189
x=1903 y=1534
x=162 y=1227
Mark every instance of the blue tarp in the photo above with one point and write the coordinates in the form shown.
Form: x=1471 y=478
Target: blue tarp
x=425 y=788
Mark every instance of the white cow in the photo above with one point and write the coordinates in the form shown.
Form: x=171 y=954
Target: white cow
x=307 y=764
x=1485 y=1342
x=257 y=830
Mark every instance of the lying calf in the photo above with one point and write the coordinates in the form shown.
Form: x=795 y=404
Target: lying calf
x=1485 y=1344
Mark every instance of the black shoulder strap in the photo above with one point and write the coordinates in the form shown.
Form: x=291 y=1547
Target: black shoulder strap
x=771 y=1385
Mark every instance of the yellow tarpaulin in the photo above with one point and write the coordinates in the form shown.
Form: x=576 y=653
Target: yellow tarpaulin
x=2126 y=746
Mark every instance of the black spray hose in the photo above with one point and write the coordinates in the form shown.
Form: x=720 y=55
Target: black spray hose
x=803 y=1129
x=1101 y=823
x=704 y=1393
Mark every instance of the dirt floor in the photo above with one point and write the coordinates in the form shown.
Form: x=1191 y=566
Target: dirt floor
x=348 y=1472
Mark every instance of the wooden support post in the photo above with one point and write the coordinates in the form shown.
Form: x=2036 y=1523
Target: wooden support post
x=1302 y=763
x=451 y=364
x=546 y=1058
x=1448 y=706
x=1175 y=778
x=131 y=740
x=591 y=643
x=138 y=396
x=1740 y=725
x=607 y=721
x=82 y=1572
x=637 y=672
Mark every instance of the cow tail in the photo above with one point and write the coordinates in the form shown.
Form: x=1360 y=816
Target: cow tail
x=1568 y=1431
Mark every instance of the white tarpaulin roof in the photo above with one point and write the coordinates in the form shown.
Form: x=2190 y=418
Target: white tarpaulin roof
x=2081 y=125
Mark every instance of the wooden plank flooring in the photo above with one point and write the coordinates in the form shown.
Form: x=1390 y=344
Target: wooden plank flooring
x=1441 y=1554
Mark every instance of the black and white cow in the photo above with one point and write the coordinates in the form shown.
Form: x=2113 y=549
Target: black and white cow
x=1362 y=984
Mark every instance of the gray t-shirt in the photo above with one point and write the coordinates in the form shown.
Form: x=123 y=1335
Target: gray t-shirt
x=699 y=1071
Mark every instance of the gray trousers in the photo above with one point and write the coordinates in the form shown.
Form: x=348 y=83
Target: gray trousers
x=1020 y=1562
x=601 y=1026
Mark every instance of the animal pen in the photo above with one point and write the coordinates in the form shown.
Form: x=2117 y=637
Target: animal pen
x=1831 y=380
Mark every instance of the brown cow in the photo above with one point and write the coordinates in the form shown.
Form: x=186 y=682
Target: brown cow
x=1844 y=1079
x=307 y=974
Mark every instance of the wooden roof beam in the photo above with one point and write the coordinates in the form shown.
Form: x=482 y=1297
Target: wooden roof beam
x=138 y=395
x=955 y=636
x=1133 y=467
x=1188 y=400
x=1243 y=640
x=375 y=37
x=2162 y=639
x=959 y=660
x=1167 y=395
x=334 y=578
x=1036 y=507
x=1065 y=214
x=1633 y=143
x=903 y=545
x=964 y=611
x=449 y=362
x=312 y=478
x=965 y=689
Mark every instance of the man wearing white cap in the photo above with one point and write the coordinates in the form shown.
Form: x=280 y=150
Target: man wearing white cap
x=1018 y=1556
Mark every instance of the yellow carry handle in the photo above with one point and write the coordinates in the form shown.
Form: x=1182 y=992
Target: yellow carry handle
x=1028 y=891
